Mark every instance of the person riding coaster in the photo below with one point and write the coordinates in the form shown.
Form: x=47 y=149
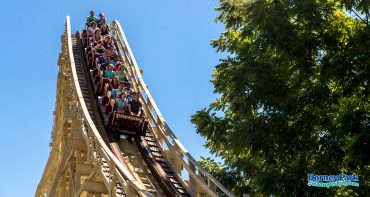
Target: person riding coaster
x=120 y=105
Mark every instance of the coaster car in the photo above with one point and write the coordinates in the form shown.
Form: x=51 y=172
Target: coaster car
x=128 y=124
x=120 y=122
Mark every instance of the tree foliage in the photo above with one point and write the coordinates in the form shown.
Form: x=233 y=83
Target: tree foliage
x=230 y=178
x=294 y=94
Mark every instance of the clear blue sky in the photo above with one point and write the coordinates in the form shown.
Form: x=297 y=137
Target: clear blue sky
x=170 y=40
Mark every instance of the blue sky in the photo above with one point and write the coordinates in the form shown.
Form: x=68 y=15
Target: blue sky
x=170 y=40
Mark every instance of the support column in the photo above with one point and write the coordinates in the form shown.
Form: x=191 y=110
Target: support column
x=192 y=182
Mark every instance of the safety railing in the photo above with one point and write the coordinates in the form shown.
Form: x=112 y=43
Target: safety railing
x=200 y=181
x=97 y=148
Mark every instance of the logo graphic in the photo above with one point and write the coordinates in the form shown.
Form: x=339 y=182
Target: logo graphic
x=332 y=180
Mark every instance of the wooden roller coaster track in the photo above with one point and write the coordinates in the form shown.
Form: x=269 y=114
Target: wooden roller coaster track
x=86 y=161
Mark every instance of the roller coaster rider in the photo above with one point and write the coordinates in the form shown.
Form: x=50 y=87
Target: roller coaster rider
x=135 y=106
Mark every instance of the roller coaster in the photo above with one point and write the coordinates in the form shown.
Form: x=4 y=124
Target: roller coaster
x=87 y=158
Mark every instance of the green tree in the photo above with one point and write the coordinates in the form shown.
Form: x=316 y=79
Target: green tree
x=294 y=94
x=230 y=178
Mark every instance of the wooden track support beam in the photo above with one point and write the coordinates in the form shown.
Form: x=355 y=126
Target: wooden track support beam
x=92 y=186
